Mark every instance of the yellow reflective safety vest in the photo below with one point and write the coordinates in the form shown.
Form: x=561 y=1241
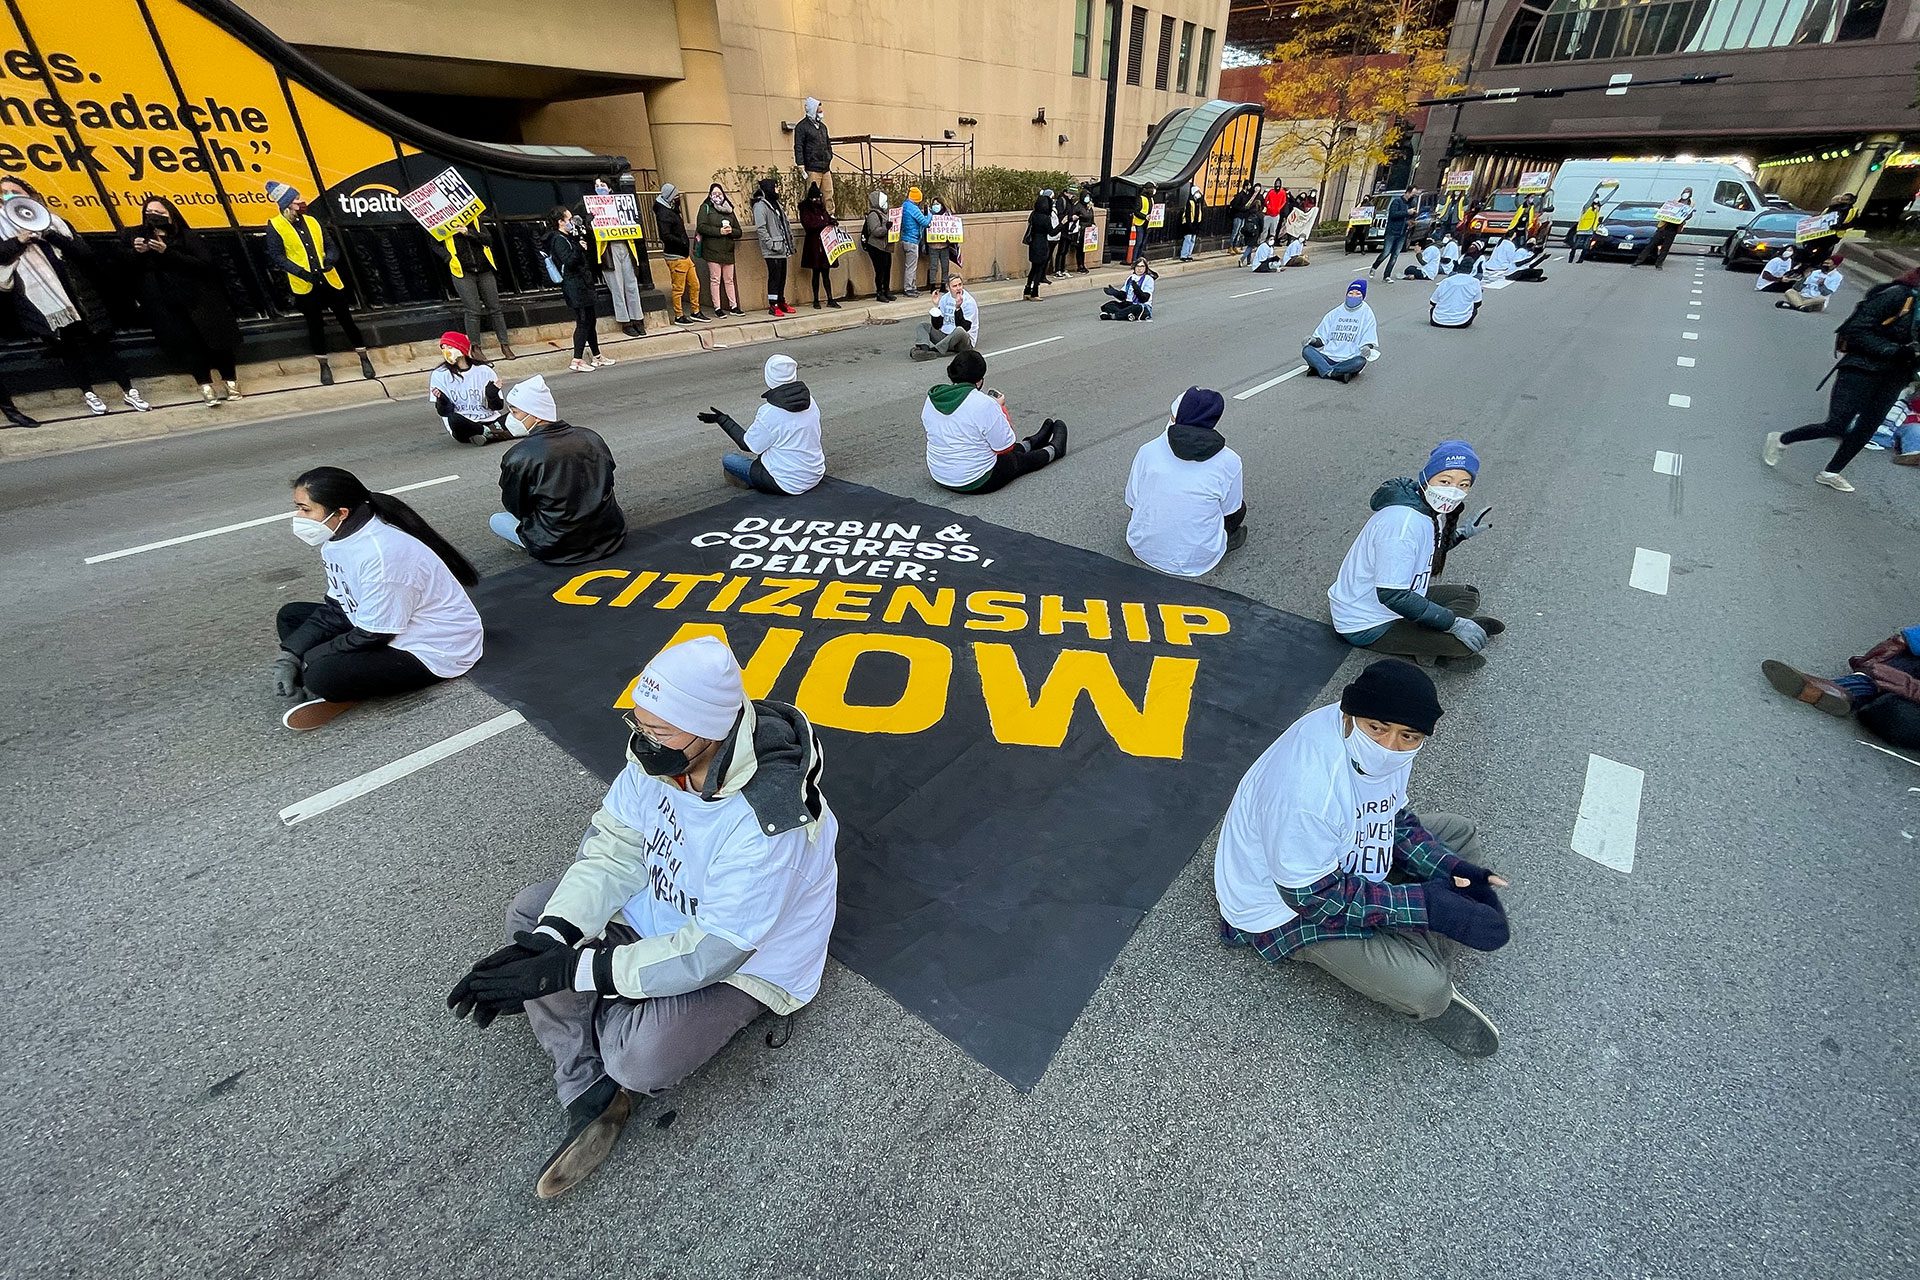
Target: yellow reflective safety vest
x=297 y=251
x=453 y=256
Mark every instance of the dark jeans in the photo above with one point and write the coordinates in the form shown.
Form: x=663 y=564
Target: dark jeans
x=1390 y=248
x=881 y=260
x=583 y=334
x=351 y=675
x=753 y=473
x=1123 y=310
x=323 y=300
x=1860 y=401
x=1410 y=639
x=1060 y=256
x=1010 y=466
x=777 y=279
x=1036 y=276
x=86 y=353
x=480 y=298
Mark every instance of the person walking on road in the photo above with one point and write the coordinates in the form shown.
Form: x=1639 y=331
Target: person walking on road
x=297 y=247
x=466 y=395
x=1185 y=491
x=1385 y=598
x=567 y=249
x=1394 y=240
x=1042 y=226
x=1133 y=300
x=1321 y=861
x=1666 y=228
x=913 y=235
x=971 y=447
x=719 y=228
x=701 y=898
x=683 y=282
x=954 y=325
x=775 y=234
x=1881 y=691
x=1879 y=353
x=783 y=454
x=1813 y=290
x=556 y=484
x=396 y=616
x=1346 y=338
x=814 y=220
x=813 y=148
x=873 y=242
x=184 y=296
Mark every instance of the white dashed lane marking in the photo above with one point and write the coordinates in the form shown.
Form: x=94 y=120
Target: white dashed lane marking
x=1608 y=826
x=354 y=788
x=1650 y=571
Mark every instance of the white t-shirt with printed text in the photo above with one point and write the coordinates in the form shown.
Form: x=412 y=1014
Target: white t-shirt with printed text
x=466 y=392
x=1394 y=549
x=391 y=583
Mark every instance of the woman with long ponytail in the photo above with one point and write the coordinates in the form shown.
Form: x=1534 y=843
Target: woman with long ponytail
x=395 y=618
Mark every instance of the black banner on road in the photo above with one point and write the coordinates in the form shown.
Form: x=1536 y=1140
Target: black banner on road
x=1025 y=742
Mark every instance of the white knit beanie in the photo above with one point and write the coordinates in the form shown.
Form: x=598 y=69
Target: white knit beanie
x=695 y=686
x=533 y=398
x=780 y=370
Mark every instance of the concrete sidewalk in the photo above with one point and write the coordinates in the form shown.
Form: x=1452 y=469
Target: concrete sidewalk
x=283 y=389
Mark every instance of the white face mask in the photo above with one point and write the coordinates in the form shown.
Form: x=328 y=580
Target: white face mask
x=1373 y=759
x=1444 y=498
x=311 y=532
x=514 y=426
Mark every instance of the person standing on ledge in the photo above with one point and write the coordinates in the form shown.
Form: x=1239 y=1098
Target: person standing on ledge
x=556 y=483
x=813 y=149
x=298 y=249
x=1321 y=861
x=471 y=266
x=683 y=281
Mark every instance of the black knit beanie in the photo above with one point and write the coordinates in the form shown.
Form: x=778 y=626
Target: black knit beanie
x=1395 y=691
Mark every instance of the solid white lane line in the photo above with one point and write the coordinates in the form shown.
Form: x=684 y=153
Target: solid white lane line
x=244 y=524
x=1249 y=293
x=1685 y=362
x=354 y=788
x=1609 y=823
x=1650 y=570
x=1251 y=392
x=1883 y=751
x=1680 y=402
x=1007 y=351
x=1690 y=336
x=1667 y=464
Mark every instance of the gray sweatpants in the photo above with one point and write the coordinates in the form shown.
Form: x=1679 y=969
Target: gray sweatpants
x=910 y=265
x=645 y=1045
x=623 y=282
x=480 y=296
x=951 y=344
x=1406 y=972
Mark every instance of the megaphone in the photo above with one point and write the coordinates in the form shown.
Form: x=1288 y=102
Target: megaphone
x=23 y=213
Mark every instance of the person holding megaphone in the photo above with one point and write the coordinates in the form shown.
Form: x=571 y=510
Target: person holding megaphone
x=44 y=269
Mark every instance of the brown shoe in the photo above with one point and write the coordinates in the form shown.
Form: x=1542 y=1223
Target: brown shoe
x=1812 y=690
x=1907 y=459
x=597 y=1117
x=311 y=715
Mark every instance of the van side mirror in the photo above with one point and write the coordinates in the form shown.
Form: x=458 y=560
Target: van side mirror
x=1546 y=203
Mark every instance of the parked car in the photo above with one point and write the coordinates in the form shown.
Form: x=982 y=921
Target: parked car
x=1753 y=244
x=1496 y=214
x=1624 y=229
x=1419 y=219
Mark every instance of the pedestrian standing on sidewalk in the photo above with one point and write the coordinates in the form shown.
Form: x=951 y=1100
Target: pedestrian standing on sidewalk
x=1394 y=241
x=683 y=282
x=954 y=325
x=298 y=248
x=1247 y=208
x=874 y=243
x=1041 y=225
x=396 y=616
x=466 y=394
x=913 y=234
x=776 y=243
x=1320 y=860
x=1384 y=598
x=701 y=897
x=1272 y=210
x=1665 y=230
x=1879 y=354
x=471 y=267
x=1137 y=224
x=1813 y=290
x=567 y=248
x=784 y=456
x=719 y=228
x=1345 y=337
x=621 y=271
x=1881 y=691
x=813 y=148
x=556 y=484
x=971 y=447
x=1184 y=491
x=1193 y=211
x=814 y=220
x=1068 y=209
x=1089 y=217
x=939 y=256
x=184 y=295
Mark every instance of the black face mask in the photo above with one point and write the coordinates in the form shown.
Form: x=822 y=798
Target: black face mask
x=658 y=761
x=158 y=225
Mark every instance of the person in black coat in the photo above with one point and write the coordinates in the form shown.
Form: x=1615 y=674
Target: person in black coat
x=567 y=246
x=184 y=294
x=556 y=483
x=1041 y=224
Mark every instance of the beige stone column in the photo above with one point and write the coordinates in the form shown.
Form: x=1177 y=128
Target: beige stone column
x=692 y=117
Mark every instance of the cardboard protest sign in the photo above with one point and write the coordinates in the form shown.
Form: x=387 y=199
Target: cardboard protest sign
x=1535 y=181
x=1025 y=742
x=1157 y=216
x=1360 y=216
x=1815 y=228
x=836 y=243
x=1673 y=211
x=894 y=215
x=1459 y=180
x=945 y=228
x=614 y=217
x=444 y=205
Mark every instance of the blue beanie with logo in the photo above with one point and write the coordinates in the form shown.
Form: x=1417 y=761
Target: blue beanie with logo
x=1448 y=455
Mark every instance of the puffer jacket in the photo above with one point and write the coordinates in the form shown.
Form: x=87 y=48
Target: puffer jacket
x=716 y=245
x=913 y=223
x=1879 y=337
x=558 y=485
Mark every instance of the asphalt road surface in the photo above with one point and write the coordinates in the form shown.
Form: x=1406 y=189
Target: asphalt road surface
x=226 y=1049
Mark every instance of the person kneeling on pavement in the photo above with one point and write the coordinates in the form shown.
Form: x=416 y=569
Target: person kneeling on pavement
x=953 y=326
x=971 y=447
x=395 y=617
x=1882 y=691
x=701 y=897
x=557 y=484
x=1321 y=861
x=1384 y=598
x=1184 y=491
x=467 y=395
x=1133 y=300
x=1347 y=338
x=785 y=433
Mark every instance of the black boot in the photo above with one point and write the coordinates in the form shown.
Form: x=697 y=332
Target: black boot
x=326 y=373
x=14 y=416
x=366 y=367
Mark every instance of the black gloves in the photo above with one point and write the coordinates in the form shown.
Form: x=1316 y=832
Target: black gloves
x=1470 y=871
x=1315 y=342
x=465 y=1003
x=735 y=432
x=711 y=415
x=286 y=675
x=535 y=965
x=1115 y=293
x=1472 y=916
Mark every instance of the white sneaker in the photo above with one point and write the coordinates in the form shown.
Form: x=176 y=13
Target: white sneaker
x=132 y=397
x=601 y=362
x=233 y=390
x=1770 y=451
x=95 y=403
x=206 y=393
x=579 y=366
x=1833 y=480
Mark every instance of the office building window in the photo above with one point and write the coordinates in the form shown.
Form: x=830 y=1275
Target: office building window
x=1592 y=30
x=1136 y=44
x=1205 y=69
x=1082 y=20
x=1163 y=69
x=1106 y=36
x=1186 y=57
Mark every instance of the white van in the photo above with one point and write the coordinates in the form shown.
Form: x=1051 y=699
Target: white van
x=1725 y=197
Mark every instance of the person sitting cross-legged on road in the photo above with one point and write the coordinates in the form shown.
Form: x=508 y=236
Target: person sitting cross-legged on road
x=396 y=617
x=1133 y=300
x=1456 y=299
x=556 y=483
x=1778 y=274
x=1811 y=292
x=971 y=447
x=1528 y=264
x=952 y=327
x=1348 y=335
x=784 y=433
x=1184 y=491
x=1383 y=599
x=701 y=897
x=467 y=395
x=1882 y=691
x=1426 y=262
x=1321 y=861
